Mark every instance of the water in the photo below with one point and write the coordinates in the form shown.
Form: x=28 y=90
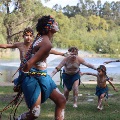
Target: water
x=8 y=68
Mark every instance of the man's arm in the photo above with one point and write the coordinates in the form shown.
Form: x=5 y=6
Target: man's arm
x=57 y=69
x=83 y=62
x=58 y=53
x=8 y=46
x=111 y=61
x=89 y=65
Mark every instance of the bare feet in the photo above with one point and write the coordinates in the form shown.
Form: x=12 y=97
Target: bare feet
x=100 y=108
x=75 y=105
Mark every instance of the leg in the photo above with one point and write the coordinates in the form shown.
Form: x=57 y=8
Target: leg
x=33 y=112
x=60 y=102
x=75 y=92
x=66 y=92
x=100 y=101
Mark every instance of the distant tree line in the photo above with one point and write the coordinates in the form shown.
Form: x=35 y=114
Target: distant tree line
x=88 y=26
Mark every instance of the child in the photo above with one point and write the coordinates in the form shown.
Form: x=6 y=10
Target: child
x=101 y=88
x=22 y=46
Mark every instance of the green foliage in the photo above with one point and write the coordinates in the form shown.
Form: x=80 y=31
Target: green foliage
x=2 y=39
x=82 y=27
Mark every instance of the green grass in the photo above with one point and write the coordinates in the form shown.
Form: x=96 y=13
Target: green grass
x=86 y=109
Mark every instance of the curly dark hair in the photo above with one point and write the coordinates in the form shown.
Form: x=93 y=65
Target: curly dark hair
x=103 y=68
x=44 y=24
x=26 y=30
x=73 y=49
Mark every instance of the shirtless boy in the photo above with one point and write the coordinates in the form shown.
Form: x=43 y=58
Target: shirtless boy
x=24 y=46
x=21 y=46
x=101 y=88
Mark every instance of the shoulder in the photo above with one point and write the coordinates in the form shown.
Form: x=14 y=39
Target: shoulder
x=44 y=44
x=80 y=59
x=64 y=60
x=46 y=41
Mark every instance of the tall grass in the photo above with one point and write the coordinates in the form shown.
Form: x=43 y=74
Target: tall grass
x=87 y=105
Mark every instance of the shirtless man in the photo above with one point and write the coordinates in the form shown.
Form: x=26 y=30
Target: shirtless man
x=71 y=73
x=101 y=88
x=37 y=85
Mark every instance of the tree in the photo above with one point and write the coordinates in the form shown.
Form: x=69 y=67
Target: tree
x=22 y=16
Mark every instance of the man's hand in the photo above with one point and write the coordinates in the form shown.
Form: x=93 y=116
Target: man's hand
x=107 y=62
x=66 y=54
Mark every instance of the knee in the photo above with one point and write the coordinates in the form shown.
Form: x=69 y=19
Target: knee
x=36 y=111
x=75 y=88
x=62 y=101
x=66 y=92
x=102 y=96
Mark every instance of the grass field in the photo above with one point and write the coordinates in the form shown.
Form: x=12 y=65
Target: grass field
x=87 y=105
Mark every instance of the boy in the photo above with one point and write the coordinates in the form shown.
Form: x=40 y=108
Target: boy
x=101 y=88
x=21 y=46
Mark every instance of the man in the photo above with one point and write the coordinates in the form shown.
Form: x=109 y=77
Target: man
x=71 y=73
x=37 y=85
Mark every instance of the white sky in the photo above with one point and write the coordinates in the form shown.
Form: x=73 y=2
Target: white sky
x=63 y=3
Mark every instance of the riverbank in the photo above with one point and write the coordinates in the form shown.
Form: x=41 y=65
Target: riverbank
x=9 y=67
x=14 y=54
